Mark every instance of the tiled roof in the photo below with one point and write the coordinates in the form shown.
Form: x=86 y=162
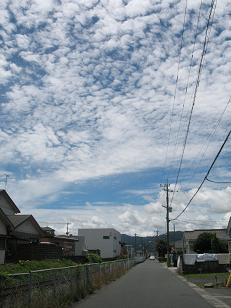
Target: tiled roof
x=48 y=229
x=17 y=219
x=5 y=194
x=5 y=219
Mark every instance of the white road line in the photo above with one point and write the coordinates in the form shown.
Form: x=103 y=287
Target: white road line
x=212 y=300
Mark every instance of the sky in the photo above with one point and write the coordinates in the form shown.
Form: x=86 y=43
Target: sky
x=95 y=98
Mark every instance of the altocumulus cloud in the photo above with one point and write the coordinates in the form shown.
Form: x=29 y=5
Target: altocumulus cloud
x=87 y=88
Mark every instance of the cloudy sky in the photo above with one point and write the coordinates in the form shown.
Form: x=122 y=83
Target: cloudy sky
x=92 y=119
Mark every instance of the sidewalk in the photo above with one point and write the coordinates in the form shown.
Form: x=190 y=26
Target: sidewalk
x=147 y=285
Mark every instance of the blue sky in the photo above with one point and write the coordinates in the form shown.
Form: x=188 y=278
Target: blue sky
x=87 y=100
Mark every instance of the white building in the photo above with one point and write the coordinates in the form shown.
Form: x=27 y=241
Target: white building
x=107 y=240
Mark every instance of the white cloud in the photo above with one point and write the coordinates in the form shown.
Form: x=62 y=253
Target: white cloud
x=90 y=87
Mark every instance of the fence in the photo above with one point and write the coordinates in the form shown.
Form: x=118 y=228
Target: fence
x=191 y=263
x=58 y=287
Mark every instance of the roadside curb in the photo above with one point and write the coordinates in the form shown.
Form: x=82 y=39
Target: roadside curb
x=215 y=302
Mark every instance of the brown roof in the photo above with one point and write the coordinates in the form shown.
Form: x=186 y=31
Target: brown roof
x=193 y=235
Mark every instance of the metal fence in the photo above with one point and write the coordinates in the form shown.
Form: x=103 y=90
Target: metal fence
x=58 y=287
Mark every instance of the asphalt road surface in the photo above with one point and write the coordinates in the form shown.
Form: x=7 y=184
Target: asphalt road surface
x=147 y=285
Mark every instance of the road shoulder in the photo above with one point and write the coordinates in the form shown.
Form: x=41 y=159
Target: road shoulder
x=215 y=302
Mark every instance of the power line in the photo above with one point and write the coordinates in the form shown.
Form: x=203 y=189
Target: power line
x=212 y=133
x=207 y=174
x=213 y=7
x=218 y=122
x=217 y=182
x=200 y=220
x=189 y=74
x=176 y=82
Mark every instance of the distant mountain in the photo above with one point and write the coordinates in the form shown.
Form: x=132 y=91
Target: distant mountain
x=149 y=242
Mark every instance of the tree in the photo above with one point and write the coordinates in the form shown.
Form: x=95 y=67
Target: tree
x=208 y=242
x=161 y=247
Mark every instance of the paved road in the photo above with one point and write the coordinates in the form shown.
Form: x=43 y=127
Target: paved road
x=147 y=285
x=222 y=294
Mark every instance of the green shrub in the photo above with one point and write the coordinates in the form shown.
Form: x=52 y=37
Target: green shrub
x=93 y=258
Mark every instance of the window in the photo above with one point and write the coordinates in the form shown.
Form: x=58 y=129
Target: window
x=106 y=237
x=115 y=237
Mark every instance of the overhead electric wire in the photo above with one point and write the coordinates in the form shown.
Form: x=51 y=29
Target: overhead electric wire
x=212 y=133
x=205 y=178
x=213 y=7
x=176 y=83
x=189 y=74
x=217 y=182
x=200 y=223
x=199 y=220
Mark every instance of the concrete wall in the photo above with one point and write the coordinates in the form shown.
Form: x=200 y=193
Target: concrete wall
x=80 y=245
x=5 y=206
x=95 y=239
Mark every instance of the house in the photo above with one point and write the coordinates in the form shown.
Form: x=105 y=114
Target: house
x=5 y=226
x=229 y=235
x=107 y=240
x=48 y=231
x=72 y=246
x=15 y=228
x=189 y=237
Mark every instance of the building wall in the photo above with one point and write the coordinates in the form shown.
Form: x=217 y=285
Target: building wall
x=106 y=240
x=27 y=227
x=5 y=206
x=2 y=228
x=80 y=246
x=2 y=256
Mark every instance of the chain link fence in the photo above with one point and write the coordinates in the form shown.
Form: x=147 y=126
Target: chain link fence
x=58 y=287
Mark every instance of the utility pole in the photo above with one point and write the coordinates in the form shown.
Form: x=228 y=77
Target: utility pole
x=135 y=244
x=174 y=233
x=67 y=233
x=155 y=238
x=168 y=210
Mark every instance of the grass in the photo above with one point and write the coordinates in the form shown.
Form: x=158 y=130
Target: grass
x=64 y=287
x=26 y=266
x=218 y=279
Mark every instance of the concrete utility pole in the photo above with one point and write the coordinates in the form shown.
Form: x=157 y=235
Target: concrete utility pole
x=135 y=244
x=168 y=210
x=67 y=233
x=174 y=233
x=155 y=238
